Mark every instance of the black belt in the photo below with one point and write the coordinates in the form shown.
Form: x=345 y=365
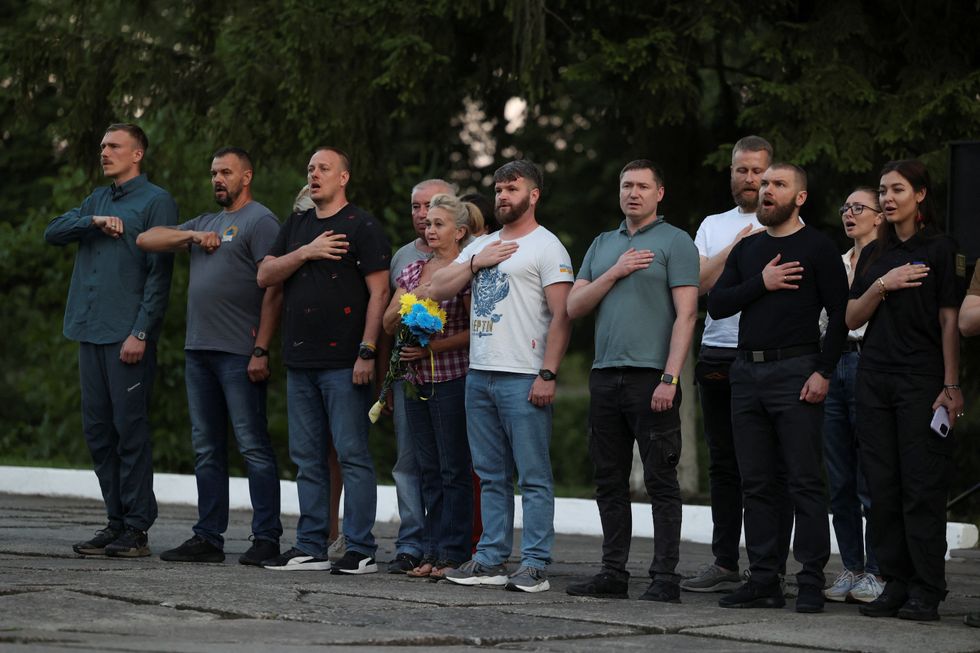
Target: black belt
x=852 y=345
x=769 y=355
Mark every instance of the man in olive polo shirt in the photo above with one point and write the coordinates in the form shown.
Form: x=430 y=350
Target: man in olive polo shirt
x=643 y=277
x=116 y=301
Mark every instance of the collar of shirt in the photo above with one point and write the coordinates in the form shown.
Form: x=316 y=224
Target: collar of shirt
x=624 y=230
x=127 y=187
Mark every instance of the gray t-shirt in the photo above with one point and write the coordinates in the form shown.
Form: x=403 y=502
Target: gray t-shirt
x=405 y=255
x=636 y=317
x=224 y=301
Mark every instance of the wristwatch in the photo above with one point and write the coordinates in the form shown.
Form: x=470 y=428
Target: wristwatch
x=547 y=375
x=140 y=335
x=669 y=379
x=367 y=352
x=258 y=352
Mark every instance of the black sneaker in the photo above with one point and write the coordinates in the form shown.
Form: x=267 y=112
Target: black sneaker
x=402 y=564
x=355 y=562
x=259 y=552
x=96 y=546
x=810 y=599
x=754 y=595
x=196 y=549
x=888 y=603
x=918 y=609
x=602 y=586
x=296 y=560
x=131 y=544
x=662 y=591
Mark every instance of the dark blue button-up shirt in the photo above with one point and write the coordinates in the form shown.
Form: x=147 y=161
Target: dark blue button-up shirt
x=116 y=289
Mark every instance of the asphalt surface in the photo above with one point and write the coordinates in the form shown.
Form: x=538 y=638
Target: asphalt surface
x=54 y=600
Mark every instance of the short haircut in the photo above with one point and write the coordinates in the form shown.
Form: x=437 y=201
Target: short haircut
x=797 y=171
x=133 y=130
x=242 y=155
x=450 y=187
x=643 y=164
x=520 y=168
x=344 y=159
x=752 y=144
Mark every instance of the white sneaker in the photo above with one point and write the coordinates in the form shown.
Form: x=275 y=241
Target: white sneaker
x=841 y=587
x=867 y=588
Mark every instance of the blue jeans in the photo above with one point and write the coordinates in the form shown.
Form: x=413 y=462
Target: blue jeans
x=414 y=536
x=508 y=431
x=322 y=402
x=218 y=388
x=438 y=426
x=848 y=491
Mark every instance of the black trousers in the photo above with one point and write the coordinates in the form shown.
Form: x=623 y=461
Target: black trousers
x=712 y=373
x=115 y=407
x=907 y=469
x=772 y=428
x=620 y=413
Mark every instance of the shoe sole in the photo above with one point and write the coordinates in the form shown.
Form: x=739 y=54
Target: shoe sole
x=757 y=603
x=141 y=552
x=658 y=599
x=301 y=566
x=837 y=599
x=876 y=614
x=724 y=586
x=211 y=558
x=367 y=569
x=543 y=586
x=809 y=609
x=478 y=580
x=597 y=595
x=252 y=562
x=88 y=552
x=918 y=617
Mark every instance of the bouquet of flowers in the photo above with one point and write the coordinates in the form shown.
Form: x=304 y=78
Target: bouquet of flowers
x=421 y=318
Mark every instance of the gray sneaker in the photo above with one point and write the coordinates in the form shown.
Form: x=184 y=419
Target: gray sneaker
x=472 y=572
x=712 y=578
x=866 y=589
x=841 y=587
x=527 y=579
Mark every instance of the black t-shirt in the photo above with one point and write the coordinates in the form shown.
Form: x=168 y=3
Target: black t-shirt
x=785 y=318
x=904 y=334
x=325 y=302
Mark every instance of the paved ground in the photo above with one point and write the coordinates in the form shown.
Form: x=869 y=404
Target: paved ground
x=53 y=600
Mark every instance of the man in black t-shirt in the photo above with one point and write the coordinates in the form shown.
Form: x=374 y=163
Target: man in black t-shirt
x=333 y=263
x=780 y=280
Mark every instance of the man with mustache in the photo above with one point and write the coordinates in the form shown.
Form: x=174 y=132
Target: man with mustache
x=230 y=322
x=715 y=238
x=780 y=280
x=115 y=308
x=519 y=331
x=642 y=279
x=333 y=261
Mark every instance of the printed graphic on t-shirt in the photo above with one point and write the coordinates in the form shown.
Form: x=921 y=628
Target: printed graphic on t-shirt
x=491 y=287
x=229 y=234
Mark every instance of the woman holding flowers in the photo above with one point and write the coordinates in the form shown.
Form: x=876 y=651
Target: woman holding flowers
x=436 y=369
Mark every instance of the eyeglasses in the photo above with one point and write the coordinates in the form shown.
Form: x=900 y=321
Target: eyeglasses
x=856 y=209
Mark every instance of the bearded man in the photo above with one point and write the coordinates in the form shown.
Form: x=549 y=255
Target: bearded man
x=230 y=322
x=780 y=280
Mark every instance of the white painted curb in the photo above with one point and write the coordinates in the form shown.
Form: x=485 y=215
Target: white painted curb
x=572 y=516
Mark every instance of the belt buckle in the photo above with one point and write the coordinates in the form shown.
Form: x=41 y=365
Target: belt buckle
x=758 y=357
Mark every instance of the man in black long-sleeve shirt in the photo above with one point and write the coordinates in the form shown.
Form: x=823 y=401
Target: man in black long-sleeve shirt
x=780 y=280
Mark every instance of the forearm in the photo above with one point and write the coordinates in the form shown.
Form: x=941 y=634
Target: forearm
x=969 y=317
x=681 y=336
x=711 y=269
x=269 y=316
x=725 y=301
x=450 y=281
x=559 y=333
x=456 y=341
x=274 y=270
x=164 y=239
x=860 y=310
x=68 y=228
x=392 y=314
x=375 y=311
x=951 y=345
x=584 y=297
x=156 y=292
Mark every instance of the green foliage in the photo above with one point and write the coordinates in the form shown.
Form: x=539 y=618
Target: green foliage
x=839 y=87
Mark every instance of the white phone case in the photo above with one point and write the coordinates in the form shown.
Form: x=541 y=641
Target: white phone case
x=940 y=422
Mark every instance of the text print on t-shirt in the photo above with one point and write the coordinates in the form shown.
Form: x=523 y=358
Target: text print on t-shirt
x=490 y=288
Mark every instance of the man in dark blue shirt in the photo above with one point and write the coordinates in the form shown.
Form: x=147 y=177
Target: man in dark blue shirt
x=115 y=308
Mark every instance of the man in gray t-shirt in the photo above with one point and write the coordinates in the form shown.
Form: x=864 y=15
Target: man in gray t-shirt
x=230 y=322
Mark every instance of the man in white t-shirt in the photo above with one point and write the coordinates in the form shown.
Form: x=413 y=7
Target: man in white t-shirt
x=519 y=330
x=715 y=239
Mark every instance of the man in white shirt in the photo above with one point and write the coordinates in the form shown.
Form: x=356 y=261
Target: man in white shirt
x=519 y=330
x=715 y=238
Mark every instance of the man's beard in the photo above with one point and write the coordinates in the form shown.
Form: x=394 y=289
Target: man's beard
x=746 y=203
x=777 y=214
x=228 y=199
x=512 y=212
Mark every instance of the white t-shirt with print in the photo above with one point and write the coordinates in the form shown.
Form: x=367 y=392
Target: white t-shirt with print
x=509 y=314
x=715 y=234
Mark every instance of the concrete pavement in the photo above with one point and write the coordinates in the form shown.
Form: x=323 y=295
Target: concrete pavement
x=53 y=600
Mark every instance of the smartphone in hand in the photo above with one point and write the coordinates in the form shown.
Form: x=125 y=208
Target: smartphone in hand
x=940 y=422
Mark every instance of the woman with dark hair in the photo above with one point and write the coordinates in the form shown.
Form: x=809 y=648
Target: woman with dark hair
x=905 y=289
x=487 y=222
